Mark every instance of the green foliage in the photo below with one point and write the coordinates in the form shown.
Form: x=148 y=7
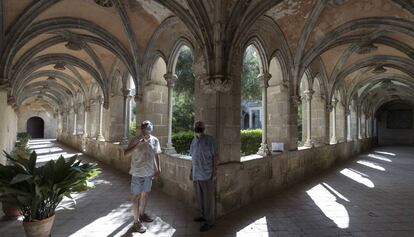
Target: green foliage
x=250 y=84
x=183 y=112
x=250 y=141
x=133 y=128
x=37 y=191
x=182 y=141
x=21 y=147
x=299 y=124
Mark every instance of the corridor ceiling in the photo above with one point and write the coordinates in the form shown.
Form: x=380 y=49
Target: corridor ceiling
x=58 y=50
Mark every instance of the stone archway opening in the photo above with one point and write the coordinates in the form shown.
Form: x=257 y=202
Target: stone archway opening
x=35 y=126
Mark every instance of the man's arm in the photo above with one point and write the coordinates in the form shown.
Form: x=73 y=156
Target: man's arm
x=130 y=149
x=157 y=165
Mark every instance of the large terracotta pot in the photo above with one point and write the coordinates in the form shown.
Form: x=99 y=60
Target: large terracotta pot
x=10 y=211
x=40 y=228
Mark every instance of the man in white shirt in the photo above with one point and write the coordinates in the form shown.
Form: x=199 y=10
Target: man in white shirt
x=145 y=164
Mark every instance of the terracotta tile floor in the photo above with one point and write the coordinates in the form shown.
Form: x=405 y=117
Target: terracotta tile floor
x=371 y=196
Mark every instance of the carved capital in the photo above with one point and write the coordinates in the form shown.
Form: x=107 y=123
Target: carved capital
x=334 y=102
x=4 y=84
x=329 y=108
x=308 y=95
x=171 y=79
x=296 y=100
x=264 y=79
x=11 y=100
x=125 y=92
x=216 y=83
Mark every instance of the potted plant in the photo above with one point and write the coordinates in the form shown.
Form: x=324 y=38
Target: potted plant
x=11 y=212
x=37 y=191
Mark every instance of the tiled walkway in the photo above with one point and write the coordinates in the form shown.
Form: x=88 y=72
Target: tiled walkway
x=371 y=196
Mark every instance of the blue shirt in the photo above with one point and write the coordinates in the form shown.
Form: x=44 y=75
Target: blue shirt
x=202 y=151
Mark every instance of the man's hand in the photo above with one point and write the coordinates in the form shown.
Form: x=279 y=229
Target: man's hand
x=157 y=173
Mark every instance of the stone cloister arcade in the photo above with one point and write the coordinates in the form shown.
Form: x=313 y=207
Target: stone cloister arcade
x=335 y=67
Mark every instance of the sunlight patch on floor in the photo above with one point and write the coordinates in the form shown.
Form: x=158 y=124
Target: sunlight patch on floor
x=357 y=177
x=328 y=204
x=379 y=157
x=371 y=165
x=385 y=153
x=257 y=228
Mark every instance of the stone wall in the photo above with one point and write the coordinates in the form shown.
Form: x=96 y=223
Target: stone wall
x=389 y=136
x=8 y=126
x=51 y=124
x=238 y=183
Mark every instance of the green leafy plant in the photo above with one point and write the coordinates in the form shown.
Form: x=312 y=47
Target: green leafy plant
x=21 y=147
x=182 y=141
x=37 y=191
x=250 y=141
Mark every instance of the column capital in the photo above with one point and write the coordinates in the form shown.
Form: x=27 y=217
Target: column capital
x=347 y=111
x=4 y=84
x=329 y=107
x=100 y=100
x=334 y=101
x=171 y=78
x=308 y=94
x=296 y=100
x=126 y=92
x=264 y=79
x=215 y=83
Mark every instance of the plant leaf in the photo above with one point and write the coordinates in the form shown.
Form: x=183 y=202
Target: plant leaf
x=20 y=178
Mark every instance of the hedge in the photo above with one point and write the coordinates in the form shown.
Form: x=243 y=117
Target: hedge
x=250 y=141
x=182 y=141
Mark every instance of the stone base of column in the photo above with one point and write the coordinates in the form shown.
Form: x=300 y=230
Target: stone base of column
x=263 y=150
x=308 y=143
x=100 y=138
x=124 y=141
x=333 y=140
x=169 y=149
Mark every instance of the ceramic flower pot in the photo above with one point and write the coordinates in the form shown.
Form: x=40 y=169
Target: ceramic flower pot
x=40 y=228
x=10 y=211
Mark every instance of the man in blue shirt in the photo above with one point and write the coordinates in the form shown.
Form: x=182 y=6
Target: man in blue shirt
x=203 y=151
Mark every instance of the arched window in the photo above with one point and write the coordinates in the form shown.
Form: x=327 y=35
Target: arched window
x=183 y=100
x=318 y=119
x=251 y=102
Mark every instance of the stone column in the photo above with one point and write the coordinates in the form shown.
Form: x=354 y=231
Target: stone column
x=308 y=97
x=333 y=138
x=85 y=120
x=264 y=83
x=366 y=126
x=100 y=137
x=67 y=120
x=125 y=136
x=359 y=117
x=171 y=79
x=250 y=119
x=349 y=126
x=75 y=118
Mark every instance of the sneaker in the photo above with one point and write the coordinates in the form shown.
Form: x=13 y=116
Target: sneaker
x=205 y=227
x=146 y=218
x=138 y=227
x=199 y=219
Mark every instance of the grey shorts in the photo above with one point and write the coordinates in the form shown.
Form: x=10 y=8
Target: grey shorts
x=141 y=184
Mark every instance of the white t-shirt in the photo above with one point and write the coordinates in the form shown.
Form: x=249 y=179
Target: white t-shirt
x=142 y=161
